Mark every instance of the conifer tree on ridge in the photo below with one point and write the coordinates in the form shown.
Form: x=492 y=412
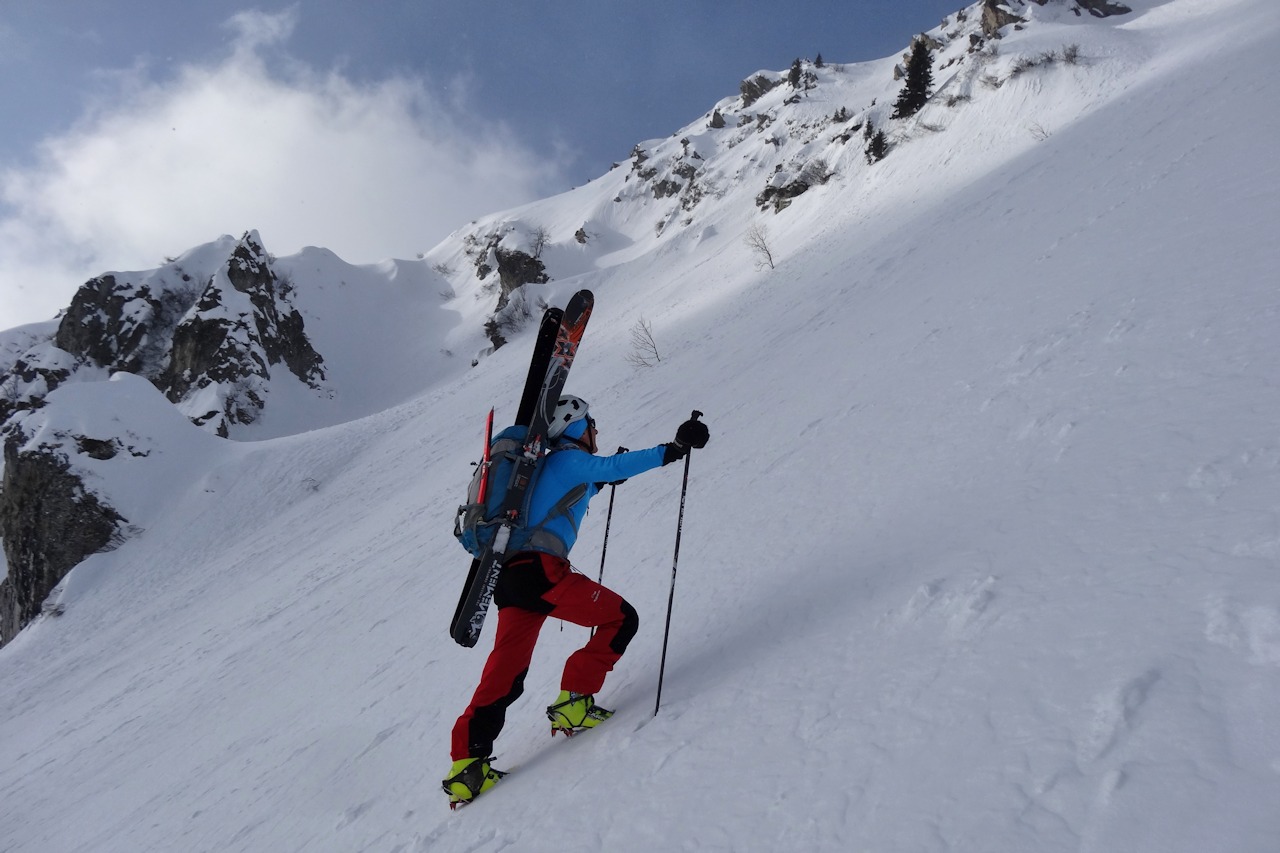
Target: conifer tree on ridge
x=915 y=92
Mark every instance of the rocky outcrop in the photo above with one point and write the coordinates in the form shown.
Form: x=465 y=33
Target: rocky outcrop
x=995 y=16
x=638 y=168
x=779 y=197
x=516 y=268
x=30 y=379
x=1103 y=8
x=49 y=523
x=755 y=88
x=124 y=325
x=676 y=178
x=107 y=323
x=500 y=250
x=211 y=342
x=279 y=325
x=1097 y=8
x=223 y=349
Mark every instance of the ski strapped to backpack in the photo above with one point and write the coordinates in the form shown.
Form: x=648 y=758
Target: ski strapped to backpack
x=507 y=472
x=481 y=520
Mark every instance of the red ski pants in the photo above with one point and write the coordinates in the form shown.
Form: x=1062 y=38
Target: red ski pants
x=532 y=587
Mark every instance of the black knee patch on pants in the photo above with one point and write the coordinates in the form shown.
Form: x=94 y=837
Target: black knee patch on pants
x=630 y=624
x=487 y=720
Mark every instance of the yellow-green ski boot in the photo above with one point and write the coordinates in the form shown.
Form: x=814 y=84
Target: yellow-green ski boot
x=575 y=712
x=468 y=779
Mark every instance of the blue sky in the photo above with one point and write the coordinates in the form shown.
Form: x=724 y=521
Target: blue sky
x=136 y=130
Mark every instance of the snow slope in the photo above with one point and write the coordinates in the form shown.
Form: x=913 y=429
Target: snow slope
x=982 y=555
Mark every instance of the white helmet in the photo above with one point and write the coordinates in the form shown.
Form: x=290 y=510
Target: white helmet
x=568 y=410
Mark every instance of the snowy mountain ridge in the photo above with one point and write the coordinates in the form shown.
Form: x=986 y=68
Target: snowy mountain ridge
x=226 y=330
x=981 y=555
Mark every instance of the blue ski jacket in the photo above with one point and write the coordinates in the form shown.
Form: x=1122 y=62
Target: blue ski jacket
x=570 y=477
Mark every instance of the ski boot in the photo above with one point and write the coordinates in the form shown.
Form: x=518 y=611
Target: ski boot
x=468 y=779
x=575 y=712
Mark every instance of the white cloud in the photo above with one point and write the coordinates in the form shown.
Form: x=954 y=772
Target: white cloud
x=371 y=171
x=255 y=28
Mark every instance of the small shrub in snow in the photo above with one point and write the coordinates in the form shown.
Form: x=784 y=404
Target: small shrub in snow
x=1022 y=65
x=541 y=237
x=644 y=349
x=757 y=239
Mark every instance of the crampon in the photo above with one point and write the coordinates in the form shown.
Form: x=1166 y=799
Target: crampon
x=468 y=779
x=574 y=712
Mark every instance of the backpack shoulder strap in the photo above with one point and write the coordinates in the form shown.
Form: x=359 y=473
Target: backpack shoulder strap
x=537 y=536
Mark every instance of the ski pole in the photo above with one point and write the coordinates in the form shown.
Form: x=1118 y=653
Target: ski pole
x=608 y=519
x=675 y=561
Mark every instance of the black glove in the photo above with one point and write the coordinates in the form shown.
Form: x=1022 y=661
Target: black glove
x=674 y=451
x=693 y=433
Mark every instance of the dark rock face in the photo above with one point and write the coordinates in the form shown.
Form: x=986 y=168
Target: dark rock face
x=121 y=325
x=185 y=336
x=996 y=16
x=780 y=197
x=516 y=268
x=755 y=88
x=675 y=178
x=280 y=331
x=1097 y=8
x=221 y=343
x=214 y=337
x=107 y=323
x=15 y=393
x=1103 y=8
x=50 y=524
x=199 y=353
x=666 y=187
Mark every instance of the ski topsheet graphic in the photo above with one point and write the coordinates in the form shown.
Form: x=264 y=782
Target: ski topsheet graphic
x=554 y=351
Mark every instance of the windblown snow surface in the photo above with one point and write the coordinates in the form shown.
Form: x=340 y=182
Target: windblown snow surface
x=983 y=555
